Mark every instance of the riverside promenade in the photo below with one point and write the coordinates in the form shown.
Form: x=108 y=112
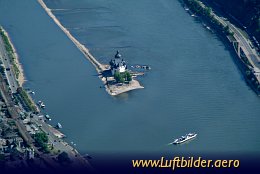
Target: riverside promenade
x=111 y=89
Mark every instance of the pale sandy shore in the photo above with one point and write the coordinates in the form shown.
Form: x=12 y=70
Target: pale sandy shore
x=21 y=77
x=111 y=89
x=116 y=90
x=119 y=89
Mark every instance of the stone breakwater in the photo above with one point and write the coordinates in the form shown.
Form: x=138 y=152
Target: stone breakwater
x=99 y=67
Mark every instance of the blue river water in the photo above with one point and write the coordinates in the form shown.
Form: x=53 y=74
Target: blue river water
x=194 y=84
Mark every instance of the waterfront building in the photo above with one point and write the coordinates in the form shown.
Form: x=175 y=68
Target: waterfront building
x=117 y=64
x=30 y=153
x=2 y=145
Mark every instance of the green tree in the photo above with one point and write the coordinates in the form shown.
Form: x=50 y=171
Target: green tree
x=128 y=76
x=63 y=157
x=248 y=73
x=208 y=11
x=41 y=137
x=122 y=77
x=41 y=140
x=119 y=77
x=226 y=29
x=2 y=69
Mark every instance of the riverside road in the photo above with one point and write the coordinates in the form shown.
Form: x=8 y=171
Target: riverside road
x=250 y=53
x=10 y=75
x=13 y=109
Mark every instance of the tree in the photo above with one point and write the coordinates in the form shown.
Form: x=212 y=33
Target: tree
x=41 y=140
x=63 y=157
x=226 y=29
x=2 y=69
x=122 y=77
x=128 y=76
x=248 y=73
x=119 y=77
x=208 y=11
x=41 y=137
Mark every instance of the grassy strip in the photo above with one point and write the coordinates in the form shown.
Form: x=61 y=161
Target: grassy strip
x=26 y=99
x=10 y=52
x=6 y=41
x=16 y=70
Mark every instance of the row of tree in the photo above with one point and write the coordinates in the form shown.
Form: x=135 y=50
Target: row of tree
x=245 y=12
x=24 y=96
x=8 y=46
x=10 y=51
x=197 y=7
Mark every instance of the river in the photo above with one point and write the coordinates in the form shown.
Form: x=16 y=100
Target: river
x=194 y=84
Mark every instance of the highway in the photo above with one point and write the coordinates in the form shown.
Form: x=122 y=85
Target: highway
x=10 y=75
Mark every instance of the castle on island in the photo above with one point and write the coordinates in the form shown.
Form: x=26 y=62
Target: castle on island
x=117 y=64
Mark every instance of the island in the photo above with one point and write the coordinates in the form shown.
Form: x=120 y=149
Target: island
x=118 y=79
x=111 y=87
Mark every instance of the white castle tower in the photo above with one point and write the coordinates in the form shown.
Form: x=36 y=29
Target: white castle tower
x=117 y=64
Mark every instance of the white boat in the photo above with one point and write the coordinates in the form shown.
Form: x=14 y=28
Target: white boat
x=48 y=117
x=185 y=138
x=41 y=104
x=59 y=126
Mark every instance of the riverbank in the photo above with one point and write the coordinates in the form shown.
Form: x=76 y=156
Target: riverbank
x=246 y=55
x=111 y=89
x=19 y=72
x=29 y=118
